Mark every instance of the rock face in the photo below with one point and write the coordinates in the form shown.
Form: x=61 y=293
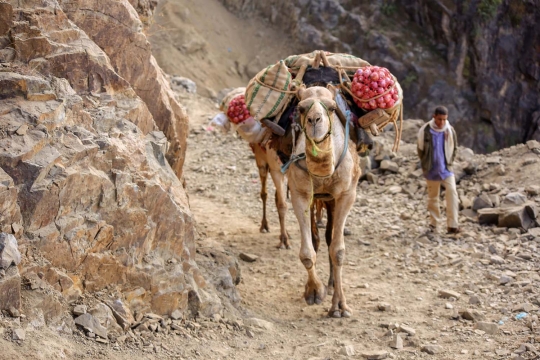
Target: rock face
x=475 y=58
x=84 y=179
x=144 y=75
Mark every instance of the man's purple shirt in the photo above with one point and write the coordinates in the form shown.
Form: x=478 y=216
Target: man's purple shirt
x=438 y=169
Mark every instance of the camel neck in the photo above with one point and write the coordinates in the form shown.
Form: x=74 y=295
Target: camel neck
x=321 y=158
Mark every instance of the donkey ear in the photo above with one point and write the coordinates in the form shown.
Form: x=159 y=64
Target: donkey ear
x=300 y=91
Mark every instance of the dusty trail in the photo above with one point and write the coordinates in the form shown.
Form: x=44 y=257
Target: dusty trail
x=391 y=278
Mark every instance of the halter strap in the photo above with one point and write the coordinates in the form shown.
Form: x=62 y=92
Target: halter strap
x=295 y=158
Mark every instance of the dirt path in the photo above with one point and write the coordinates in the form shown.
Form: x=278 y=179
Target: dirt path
x=392 y=276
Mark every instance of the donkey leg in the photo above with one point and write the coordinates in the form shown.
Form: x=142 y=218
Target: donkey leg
x=343 y=205
x=315 y=291
x=281 y=204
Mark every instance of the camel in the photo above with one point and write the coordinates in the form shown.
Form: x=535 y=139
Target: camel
x=267 y=161
x=329 y=171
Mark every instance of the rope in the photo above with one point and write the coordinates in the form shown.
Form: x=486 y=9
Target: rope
x=274 y=88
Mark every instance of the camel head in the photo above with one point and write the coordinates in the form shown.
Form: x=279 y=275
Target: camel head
x=317 y=107
x=317 y=111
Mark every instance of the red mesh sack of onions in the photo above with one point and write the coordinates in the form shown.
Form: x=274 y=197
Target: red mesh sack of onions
x=375 y=87
x=237 y=111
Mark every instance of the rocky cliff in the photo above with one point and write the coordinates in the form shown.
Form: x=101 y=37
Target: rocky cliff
x=92 y=143
x=480 y=59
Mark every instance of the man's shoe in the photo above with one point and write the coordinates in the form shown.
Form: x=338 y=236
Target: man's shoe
x=453 y=230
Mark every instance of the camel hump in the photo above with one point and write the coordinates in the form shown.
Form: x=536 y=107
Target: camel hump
x=316 y=92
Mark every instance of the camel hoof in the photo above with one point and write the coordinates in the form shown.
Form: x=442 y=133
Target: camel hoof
x=282 y=246
x=264 y=230
x=334 y=314
x=320 y=224
x=330 y=290
x=346 y=314
x=315 y=295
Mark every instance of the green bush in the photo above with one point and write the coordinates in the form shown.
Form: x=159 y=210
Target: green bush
x=488 y=8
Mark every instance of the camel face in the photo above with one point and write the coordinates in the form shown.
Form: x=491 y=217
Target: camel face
x=317 y=108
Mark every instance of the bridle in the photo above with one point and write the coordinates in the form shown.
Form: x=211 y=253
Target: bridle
x=295 y=158
x=315 y=149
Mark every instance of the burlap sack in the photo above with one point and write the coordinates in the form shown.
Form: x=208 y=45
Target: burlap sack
x=269 y=91
x=224 y=104
x=346 y=61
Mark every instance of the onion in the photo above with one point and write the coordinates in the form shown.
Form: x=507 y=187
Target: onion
x=372 y=81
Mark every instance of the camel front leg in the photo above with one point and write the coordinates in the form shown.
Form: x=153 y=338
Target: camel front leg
x=262 y=165
x=319 y=206
x=281 y=204
x=315 y=291
x=343 y=205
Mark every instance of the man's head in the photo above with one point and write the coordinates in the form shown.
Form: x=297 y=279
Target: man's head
x=440 y=115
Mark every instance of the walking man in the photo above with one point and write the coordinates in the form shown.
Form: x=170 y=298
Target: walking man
x=437 y=146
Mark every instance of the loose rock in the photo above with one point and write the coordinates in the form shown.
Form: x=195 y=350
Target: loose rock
x=489 y=328
x=449 y=294
x=347 y=350
x=375 y=355
x=432 y=349
x=248 y=257
x=90 y=323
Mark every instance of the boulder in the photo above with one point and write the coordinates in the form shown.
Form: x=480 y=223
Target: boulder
x=10 y=289
x=104 y=315
x=90 y=323
x=9 y=251
x=514 y=198
x=183 y=84
x=390 y=166
x=121 y=313
x=488 y=216
x=482 y=201
x=523 y=216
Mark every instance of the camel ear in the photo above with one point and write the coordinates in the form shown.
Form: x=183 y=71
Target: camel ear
x=300 y=91
x=333 y=89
